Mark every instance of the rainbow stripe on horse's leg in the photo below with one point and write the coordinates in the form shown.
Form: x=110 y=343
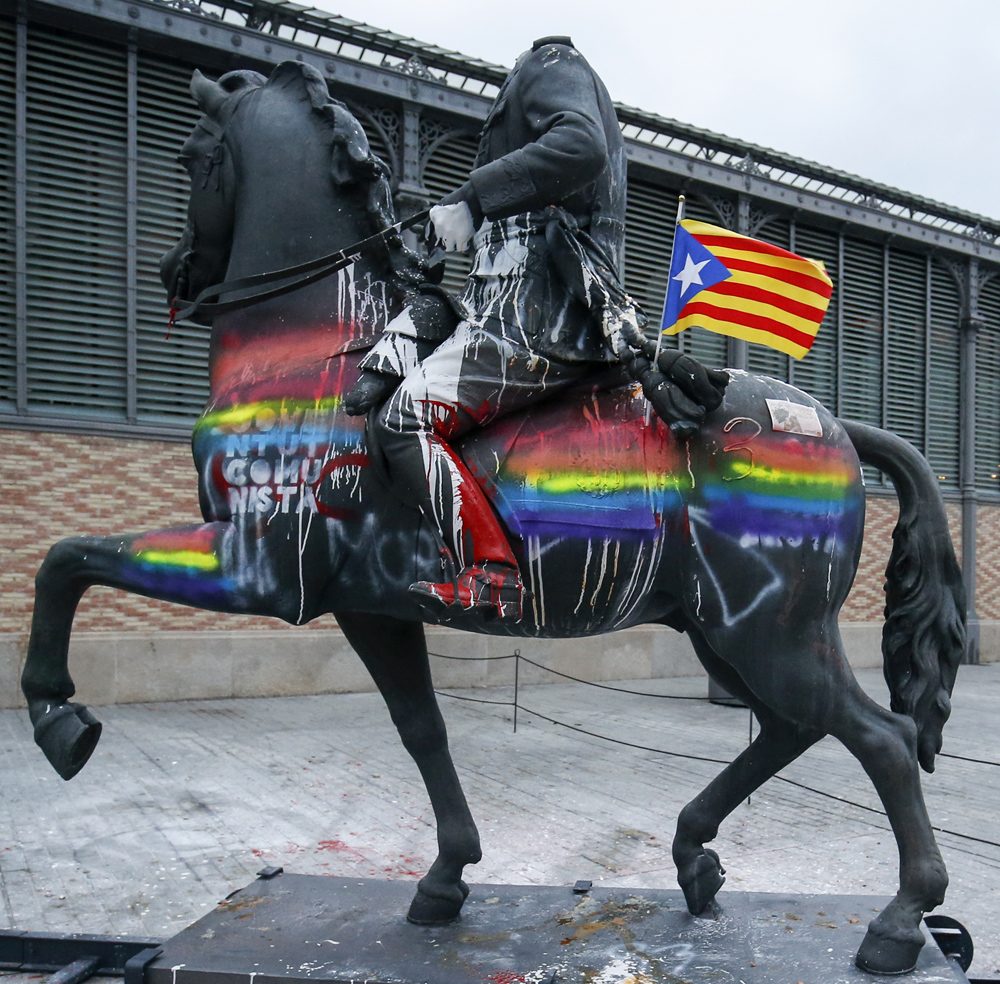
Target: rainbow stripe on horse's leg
x=184 y=564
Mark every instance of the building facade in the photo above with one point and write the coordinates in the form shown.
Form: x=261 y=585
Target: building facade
x=97 y=397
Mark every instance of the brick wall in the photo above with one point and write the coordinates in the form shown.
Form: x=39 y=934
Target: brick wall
x=65 y=484
x=988 y=562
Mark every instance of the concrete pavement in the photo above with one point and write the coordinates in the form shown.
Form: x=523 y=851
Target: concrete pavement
x=185 y=801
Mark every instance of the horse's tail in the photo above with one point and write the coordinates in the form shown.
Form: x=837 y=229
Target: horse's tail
x=924 y=634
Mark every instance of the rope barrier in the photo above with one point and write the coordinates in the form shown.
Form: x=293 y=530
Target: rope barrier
x=965 y=758
x=627 y=744
x=475 y=700
x=607 y=686
x=475 y=659
x=516 y=655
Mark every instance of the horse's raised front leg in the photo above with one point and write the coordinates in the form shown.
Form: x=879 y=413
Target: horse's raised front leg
x=213 y=565
x=395 y=653
x=699 y=871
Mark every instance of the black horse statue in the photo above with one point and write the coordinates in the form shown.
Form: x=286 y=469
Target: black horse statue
x=747 y=538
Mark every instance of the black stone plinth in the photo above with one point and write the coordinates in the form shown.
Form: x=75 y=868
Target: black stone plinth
x=310 y=928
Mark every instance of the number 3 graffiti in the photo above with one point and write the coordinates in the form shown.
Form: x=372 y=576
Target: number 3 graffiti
x=743 y=444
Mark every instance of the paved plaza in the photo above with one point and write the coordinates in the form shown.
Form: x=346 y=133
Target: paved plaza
x=184 y=802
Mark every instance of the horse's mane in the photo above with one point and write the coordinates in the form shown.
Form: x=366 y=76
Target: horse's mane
x=352 y=161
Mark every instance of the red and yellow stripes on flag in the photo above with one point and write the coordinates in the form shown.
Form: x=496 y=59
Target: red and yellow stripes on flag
x=773 y=297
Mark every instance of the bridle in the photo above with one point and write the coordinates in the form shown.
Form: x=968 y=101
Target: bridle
x=271 y=283
x=284 y=280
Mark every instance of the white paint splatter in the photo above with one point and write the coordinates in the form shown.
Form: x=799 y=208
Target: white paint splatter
x=583 y=580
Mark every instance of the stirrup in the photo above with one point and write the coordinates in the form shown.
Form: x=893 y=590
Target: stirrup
x=487 y=587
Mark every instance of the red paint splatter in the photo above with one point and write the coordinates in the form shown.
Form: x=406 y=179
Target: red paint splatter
x=341 y=461
x=504 y=977
x=339 y=847
x=332 y=845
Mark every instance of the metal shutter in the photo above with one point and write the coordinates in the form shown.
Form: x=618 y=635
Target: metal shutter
x=76 y=225
x=943 y=409
x=817 y=372
x=650 y=216
x=905 y=377
x=8 y=308
x=988 y=389
x=171 y=373
x=862 y=289
x=761 y=358
x=449 y=166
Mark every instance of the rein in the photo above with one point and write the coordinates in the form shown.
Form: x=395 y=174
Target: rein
x=293 y=276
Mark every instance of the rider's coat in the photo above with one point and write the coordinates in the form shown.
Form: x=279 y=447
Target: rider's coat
x=551 y=162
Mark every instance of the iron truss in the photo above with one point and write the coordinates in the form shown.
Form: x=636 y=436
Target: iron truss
x=345 y=38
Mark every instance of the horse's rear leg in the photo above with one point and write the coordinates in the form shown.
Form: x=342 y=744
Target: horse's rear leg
x=206 y=566
x=885 y=744
x=817 y=689
x=395 y=653
x=699 y=870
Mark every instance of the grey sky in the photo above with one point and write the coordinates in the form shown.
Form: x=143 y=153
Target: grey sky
x=900 y=91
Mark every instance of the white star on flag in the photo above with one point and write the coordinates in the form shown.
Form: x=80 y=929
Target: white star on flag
x=691 y=274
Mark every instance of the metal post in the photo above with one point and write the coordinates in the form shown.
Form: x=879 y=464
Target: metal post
x=838 y=370
x=411 y=195
x=967 y=454
x=886 y=315
x=131 y=235
x=21 y=212
x=517 y=674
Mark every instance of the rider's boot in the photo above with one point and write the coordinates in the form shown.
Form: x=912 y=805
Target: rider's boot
x=492 y=582
x=438 y=482
x=495 y=588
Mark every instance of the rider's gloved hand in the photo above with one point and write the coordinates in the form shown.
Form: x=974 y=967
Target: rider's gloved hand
x=455 y=219
x=706 y=386
x=371 y=390
x=694 y=384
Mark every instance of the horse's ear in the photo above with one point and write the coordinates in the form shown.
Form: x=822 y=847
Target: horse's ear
x=207 y=94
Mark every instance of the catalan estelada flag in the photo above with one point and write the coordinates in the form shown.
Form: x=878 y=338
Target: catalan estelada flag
x=743 y=287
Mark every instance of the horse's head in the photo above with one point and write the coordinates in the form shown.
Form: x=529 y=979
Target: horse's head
x=201 y=256
x=280 y=173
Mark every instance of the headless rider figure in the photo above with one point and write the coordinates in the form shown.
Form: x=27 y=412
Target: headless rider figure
x=544 y=209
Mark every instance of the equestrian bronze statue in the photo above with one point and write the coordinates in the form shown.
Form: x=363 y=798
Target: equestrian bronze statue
x=742 y=532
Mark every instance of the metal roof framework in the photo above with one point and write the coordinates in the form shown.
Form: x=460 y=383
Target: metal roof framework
x=346 y=38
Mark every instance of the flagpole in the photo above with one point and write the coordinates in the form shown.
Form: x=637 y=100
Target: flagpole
x=670 y=265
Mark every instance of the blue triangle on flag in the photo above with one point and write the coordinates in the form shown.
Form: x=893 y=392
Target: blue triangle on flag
x=694 y=268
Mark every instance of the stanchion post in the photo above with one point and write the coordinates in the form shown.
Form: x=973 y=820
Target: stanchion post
x=517 y=674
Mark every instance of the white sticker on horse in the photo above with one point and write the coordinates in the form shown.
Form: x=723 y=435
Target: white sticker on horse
x=794 y=418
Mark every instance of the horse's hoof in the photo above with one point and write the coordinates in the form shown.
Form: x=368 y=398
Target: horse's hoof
x=68 y=735
x=700 y=881
x=437 y=910
x=890 y=954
